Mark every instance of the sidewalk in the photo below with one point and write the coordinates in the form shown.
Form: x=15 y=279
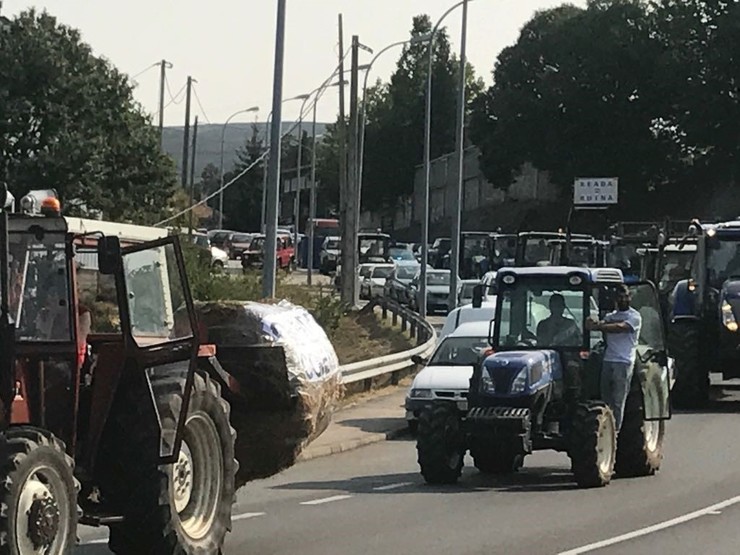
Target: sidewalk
x=368 y=420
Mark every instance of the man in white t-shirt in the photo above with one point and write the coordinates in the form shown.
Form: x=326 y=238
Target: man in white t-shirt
x=622 y=330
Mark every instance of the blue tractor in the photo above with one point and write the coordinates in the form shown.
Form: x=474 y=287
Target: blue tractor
x=704 y=313
x=538 y=389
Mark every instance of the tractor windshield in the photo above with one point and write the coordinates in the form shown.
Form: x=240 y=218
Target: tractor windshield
x=39 y=287
x=540 y=312
x=723 y=260
x=536 y=251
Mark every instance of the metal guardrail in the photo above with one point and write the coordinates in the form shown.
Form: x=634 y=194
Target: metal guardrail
x=418 y=328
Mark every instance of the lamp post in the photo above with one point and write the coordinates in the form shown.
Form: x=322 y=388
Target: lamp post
x=223 y=135
x=427 y=167
x=312 y=193
x=264 y=173
x=361 y=156
x=299 y=161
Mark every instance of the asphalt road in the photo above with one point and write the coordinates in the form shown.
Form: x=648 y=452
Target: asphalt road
x=373 y=500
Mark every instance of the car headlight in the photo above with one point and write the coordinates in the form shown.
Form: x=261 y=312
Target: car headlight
x=728 y=318
x=520 y=382
x=421 y=393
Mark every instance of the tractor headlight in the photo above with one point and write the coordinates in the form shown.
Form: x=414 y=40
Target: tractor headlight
x=520 y=382
x=421 y=393
x=728 y=318
x=487 y=385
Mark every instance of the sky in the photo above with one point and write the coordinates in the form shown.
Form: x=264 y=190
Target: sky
x=228 y=46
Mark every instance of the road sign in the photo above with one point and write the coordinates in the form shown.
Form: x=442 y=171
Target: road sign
x=595 y=191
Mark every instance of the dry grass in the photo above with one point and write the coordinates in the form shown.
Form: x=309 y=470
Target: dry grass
x=363 y=335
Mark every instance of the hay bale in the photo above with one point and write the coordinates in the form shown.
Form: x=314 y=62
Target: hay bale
x=288 y=376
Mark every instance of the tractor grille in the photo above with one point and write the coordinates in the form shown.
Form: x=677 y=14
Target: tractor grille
x=497 y=413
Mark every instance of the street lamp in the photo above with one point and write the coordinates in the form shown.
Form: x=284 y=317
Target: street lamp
x=361 y=156
x=221 y=191
x=264 y=174
x=427 y=168
x=312 y=193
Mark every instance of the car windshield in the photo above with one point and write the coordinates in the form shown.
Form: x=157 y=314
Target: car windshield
x=723 y=260
x=201 y=240
x=256 y=244
x=459 y=351
x=220 y=236
x=438 y=278
x=401 y=254
x=241 y=238
x=406 y=272
x=382 y=272
x=541 y=313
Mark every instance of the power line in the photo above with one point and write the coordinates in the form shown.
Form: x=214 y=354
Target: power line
x=143 y=71
x=202 y=111
x=173 y=98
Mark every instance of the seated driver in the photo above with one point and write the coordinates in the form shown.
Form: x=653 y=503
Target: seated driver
x=556 y=328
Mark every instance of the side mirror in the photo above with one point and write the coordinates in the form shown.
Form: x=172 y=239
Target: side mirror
x=109 y=255
x=417 y=359
x=478 y=295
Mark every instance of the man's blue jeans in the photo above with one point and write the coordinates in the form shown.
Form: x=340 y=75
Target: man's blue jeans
x=616 y=378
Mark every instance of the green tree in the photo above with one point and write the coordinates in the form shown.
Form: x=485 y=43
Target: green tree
x=68 y=121
x=579 y=95
x=243 y=198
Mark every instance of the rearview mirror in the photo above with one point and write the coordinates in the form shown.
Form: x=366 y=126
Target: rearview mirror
x=109 y=255
x=478 y=295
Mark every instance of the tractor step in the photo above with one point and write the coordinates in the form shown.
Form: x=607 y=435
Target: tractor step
x=100 y=519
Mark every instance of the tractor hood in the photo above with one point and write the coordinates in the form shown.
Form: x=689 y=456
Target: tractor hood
x=519 y=373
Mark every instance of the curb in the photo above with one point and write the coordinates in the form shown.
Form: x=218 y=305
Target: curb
x=368 y=439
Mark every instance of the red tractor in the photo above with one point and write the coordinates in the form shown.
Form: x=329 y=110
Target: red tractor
x=126 y=428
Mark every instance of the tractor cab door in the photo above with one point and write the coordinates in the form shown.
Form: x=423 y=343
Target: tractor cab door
x=651 y=365
x=159 y=325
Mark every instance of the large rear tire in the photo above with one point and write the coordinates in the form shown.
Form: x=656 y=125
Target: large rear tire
x=593 y=445
x=38 y=494
x=183 y=508
x=691 y=389
x=440 y=444
x=640 y=443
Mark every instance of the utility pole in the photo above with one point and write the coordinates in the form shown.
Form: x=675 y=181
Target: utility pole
x=164 y=65
x=345 y=224
x=269 y=267
x=459 y=163
x=312 y=196
x=186 y=138
x=192 y=174
x=352 y=205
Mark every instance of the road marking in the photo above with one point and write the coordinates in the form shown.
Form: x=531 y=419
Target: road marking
x=91 y=542
x=392 y=486
x=326 y=500
x=245 y=516
x=712 y=509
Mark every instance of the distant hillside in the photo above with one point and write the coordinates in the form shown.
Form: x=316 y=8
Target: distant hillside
x=208 y=146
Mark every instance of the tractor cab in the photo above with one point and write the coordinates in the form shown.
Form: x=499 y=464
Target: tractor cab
x=533 y=247
x=584 y=253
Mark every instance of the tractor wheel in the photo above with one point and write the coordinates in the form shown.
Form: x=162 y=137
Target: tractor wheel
x=691 y=389
x=38 y=494
x=492 y=460
x=440 y=444
x=185 y=507
x=639 y=443
x=593 y=445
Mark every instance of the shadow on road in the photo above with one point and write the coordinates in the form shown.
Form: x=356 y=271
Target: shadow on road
x=527 y=480
x=723 y=400
x=96 y=549
x=376 y=425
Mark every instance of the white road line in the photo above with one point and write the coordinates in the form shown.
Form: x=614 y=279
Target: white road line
x=326 y=500
x=245 y=516
x=92 y=542
x=392 y=486
x=712 y=509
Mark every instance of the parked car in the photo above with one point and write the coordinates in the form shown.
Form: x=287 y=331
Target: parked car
x=438 y=290
x=219 y=257
x=221 y=238
x=465 y=314
x=439 y=253
x=397 y=285
x=372 y=283
x=285 y=255
x=446 y=377
x=400 y=253
x=238 y=243
x=330 y=254
x=465 y=296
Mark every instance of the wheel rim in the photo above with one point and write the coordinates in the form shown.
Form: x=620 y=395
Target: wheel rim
x=40 y=526
x=605 y=446
x=652 y=429
x=197 y=503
